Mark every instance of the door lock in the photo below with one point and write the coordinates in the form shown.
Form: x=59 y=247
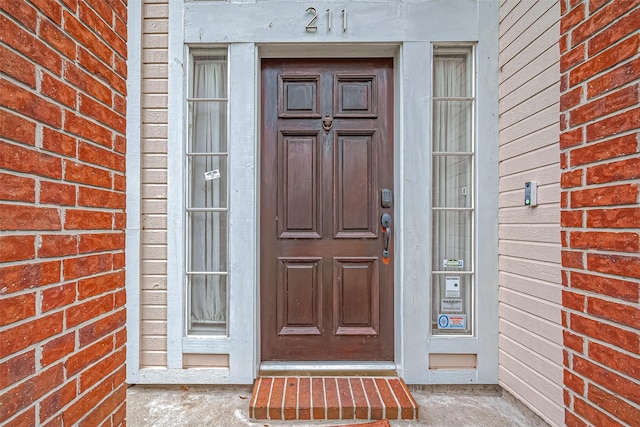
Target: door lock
x=386 y=198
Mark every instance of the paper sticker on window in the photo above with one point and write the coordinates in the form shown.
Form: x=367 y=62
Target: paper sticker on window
x=452 y=305
x=211 y=175
x=453 y=263
x=452 y=287
x=452 y=321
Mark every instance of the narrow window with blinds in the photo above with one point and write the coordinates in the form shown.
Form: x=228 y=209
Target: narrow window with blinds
x=453 y=192
x=207 y=195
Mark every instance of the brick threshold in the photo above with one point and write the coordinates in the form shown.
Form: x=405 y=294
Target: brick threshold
x=331 y=398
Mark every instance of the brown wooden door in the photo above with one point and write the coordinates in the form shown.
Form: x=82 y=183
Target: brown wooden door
x=326 y=292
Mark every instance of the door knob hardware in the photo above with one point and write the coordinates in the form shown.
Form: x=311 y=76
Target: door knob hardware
x=385 y=221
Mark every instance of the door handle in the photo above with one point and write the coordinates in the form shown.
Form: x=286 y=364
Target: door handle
x=385 y=221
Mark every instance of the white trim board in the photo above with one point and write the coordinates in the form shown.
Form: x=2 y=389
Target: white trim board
x=282 y=21
x=185 y=376
x=175 y=187
x=132 y=233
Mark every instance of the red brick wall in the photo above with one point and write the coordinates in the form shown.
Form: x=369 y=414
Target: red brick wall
x=600 y=218
x=62 y=212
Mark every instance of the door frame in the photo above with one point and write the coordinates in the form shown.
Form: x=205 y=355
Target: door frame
x=332 y=51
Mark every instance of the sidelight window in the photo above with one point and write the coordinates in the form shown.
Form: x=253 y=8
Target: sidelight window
x=453 y=192
x=207 y=195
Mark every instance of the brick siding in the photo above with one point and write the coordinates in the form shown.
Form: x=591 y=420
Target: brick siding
x=600 y=218
x=62 y=212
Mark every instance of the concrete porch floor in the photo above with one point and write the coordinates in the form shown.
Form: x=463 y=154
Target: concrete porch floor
x=228 y=406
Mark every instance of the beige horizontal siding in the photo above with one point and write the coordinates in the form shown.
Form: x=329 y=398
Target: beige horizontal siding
x=512 y=81
x=153 y=176
x=513 y=113
x=524 y=387
x=154 y=222
x=536 y=343
x=157 y=327
x=541 y=41
x=537 y=232
x=527 y=29
x=530 y=287
x=535 y=269
x=154 y=358
x=153 y=267
x=528 y=126
x=153 y=296
x=546 y=175
x=540 y=251
x=531 y=160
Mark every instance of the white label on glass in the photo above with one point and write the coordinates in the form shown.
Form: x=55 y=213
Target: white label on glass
x=452 y=287
x=210 y=175
x=451 y=305
x=452 y=321
x=452 y=263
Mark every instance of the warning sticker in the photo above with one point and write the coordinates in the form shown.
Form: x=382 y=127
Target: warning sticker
x=452 y=263
x=452 y=287
x=451 y=305
x=452 y=321
x=211 y=175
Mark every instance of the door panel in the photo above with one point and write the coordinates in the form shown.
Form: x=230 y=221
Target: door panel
x=355 y=96
x=298 y=181
x=356 y=287
x=298 y=96
x=299 y=311
x=356 y=180
x=326 y=293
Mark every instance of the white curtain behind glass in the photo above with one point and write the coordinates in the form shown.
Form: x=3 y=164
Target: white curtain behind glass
x=451 y=183
x=208 y=231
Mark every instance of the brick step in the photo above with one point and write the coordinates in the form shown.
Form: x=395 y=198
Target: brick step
x=331 y=398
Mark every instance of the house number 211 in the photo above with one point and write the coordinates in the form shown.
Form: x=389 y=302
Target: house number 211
x=312 y=25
